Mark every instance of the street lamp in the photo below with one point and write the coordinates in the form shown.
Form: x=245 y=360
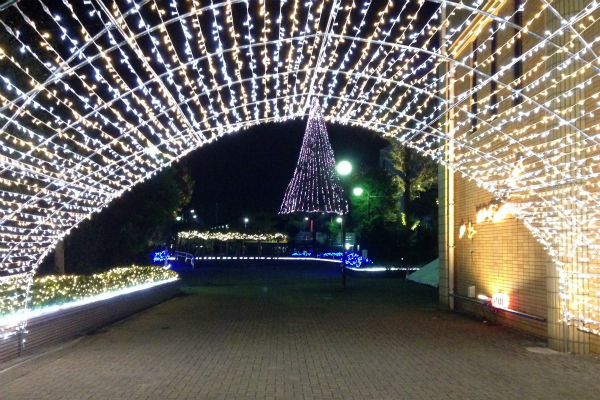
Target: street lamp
x=344 y=168
x=245 y=223
x=304 y=224
x=340 y=221
x=358 y=192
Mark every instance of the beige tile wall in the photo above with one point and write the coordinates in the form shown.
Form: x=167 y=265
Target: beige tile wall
x=506 y=257
x=502 y=257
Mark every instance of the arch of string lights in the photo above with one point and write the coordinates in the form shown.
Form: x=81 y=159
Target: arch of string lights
x=96 y=96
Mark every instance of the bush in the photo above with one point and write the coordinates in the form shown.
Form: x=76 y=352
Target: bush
x=56 y=290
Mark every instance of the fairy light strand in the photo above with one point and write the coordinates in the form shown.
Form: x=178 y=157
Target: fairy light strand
x=96 y=98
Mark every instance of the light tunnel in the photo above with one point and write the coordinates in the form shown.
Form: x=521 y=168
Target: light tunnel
x=97 y=96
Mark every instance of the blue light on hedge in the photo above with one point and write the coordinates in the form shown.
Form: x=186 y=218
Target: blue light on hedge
x=330 y=255
x=353 y=260
x=160 y=256
x=303 y=254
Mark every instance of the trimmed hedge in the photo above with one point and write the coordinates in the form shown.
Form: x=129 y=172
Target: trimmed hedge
x=61 y=289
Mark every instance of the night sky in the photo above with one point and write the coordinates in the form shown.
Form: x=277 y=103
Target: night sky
x=247 y=172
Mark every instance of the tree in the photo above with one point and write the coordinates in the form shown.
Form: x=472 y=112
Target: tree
x=126 y=231
x=315 y=186
x=416 y=174
x=379 y=200
x=417 y=177
x=409 y=237
x=374 y=213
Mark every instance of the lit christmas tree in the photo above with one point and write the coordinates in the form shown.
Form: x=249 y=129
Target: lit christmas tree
x=315 y=186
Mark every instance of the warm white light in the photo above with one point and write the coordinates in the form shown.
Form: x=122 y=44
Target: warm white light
x=115 y=111
x=229 y=235
x=500 y=300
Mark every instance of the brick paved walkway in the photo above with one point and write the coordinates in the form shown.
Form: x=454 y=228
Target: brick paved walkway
x=289 y=336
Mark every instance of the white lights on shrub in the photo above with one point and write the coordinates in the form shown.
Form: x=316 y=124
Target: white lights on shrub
x=231 y=235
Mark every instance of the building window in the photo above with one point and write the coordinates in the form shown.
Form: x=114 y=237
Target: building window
x=473 y=85
x=493 y=83
x=518 y=66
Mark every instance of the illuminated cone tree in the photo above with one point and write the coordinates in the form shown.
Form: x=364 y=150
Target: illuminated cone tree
x=315 y=186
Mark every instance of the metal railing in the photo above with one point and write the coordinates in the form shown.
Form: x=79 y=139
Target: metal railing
x=178 y=255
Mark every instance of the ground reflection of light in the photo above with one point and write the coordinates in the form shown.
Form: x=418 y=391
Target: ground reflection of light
x=382 y=269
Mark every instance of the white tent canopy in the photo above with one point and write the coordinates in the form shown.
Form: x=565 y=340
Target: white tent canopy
x=428 y=275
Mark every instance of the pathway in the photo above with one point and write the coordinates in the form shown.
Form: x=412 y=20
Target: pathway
x=287 y=334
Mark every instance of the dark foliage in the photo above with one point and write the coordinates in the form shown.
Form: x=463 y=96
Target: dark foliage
x=129 y=228
x=390 y=235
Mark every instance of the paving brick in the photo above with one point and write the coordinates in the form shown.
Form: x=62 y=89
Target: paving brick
x=277 y=338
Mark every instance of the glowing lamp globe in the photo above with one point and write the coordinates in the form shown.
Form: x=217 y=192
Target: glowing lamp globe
x=344 y=168
x=339 y=219
x=357 y=191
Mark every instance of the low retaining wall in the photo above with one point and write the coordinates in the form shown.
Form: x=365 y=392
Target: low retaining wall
x=244 y=262
x=63 y=325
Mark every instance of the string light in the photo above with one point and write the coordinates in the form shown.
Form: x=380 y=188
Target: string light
x=471 y=230
x=315 y=186
x=58 y=291
x=353 y=260
x=96 y=98
x=225 y=236
x=160 y=256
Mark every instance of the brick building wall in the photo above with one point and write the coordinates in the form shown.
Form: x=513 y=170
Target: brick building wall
x=502 y=257
x=506 y=256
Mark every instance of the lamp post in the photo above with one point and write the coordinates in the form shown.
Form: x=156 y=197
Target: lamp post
x=358 y=192
x=343 y=168
x=340 y=220
x=245 y=223
x=304 y=231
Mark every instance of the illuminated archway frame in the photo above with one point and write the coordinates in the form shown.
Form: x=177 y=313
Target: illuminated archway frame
x=85 y=183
